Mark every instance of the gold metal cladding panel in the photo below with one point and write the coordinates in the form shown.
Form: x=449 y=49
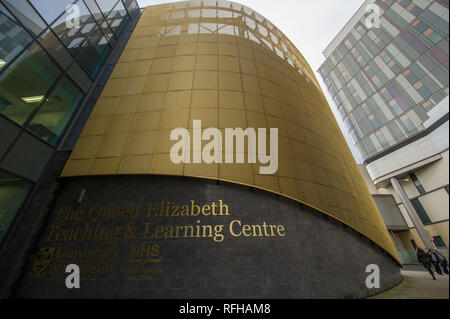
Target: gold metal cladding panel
x=228 y=67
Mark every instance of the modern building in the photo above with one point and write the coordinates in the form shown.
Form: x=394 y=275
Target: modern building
x=389 y=83
x=113 y=201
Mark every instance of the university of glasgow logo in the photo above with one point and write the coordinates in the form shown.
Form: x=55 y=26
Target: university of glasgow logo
x=43 y=259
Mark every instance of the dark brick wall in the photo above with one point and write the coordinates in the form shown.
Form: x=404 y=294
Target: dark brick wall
x=317 y=258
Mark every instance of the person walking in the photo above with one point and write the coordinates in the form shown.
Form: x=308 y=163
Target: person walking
x=425 y=260
x=443 y=260
x=435 y=260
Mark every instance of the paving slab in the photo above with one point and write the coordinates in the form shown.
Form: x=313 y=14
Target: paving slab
x=418 y=284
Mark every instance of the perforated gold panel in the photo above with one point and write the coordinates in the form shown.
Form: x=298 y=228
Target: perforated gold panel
x=229 y=67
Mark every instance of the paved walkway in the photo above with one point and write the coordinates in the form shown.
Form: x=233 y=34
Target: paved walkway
x=418 y=284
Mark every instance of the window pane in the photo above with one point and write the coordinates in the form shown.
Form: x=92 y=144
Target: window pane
x=93 y=55
x=439 y=242
x=133 y=8
x=55 y=48
x=13 y=191
x=421 y=211
x=408 y=123
x=107 y=31
x=24 y=85
x=52 y=118
x=8 y=133
x=51 y=9
x=27 y=15
x=13 y=38
x=75 y=38
x=95 y=10
x=116 y=18
x=417 y=184
x=106 y=5
x=80 y=77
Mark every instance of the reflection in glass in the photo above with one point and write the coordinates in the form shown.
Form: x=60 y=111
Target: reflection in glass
x=75 y=38
x=208 y=27
x=55 y=48
x=51 y=120
x=13 y=191
x=116 y=18
x=236 y=6
x=262 y=30
x=80 y=77
x=13 y=38
x=250 y=23
x=210 y=3
x=209 y=13
x=224 y=14
x=51 y=9
x=193 y=13
x=27 y=15
x=133 y=8
x=252 y=37
x=31 y=77
x=248 y=11
x=226 y=29
x=107 y=30
x=106 y=6
x=95 y=10
x=279 y=53
x=94 y=53
x=193 y=29
x=195 y=3
x=224 y=4
x=259 y=17
x=274 y=38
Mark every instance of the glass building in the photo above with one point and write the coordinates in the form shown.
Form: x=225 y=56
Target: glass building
x=384 y=81
x=48 y=70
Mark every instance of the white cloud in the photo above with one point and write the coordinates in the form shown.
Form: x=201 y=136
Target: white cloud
x=310 y=24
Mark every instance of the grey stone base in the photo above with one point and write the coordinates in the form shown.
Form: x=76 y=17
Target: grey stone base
x=304 y=255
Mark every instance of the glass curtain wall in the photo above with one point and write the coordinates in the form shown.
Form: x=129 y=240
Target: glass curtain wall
x=51 y=52
x=13 y=191
x=42 y=53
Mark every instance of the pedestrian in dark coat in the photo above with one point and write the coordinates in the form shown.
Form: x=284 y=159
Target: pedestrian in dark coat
x=436 y=261
x=443 y=260
x=425 y=260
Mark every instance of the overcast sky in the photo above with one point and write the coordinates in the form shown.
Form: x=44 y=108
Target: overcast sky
x=310 y=24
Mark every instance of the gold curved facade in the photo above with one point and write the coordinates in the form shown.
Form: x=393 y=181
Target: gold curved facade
x=226 y=65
